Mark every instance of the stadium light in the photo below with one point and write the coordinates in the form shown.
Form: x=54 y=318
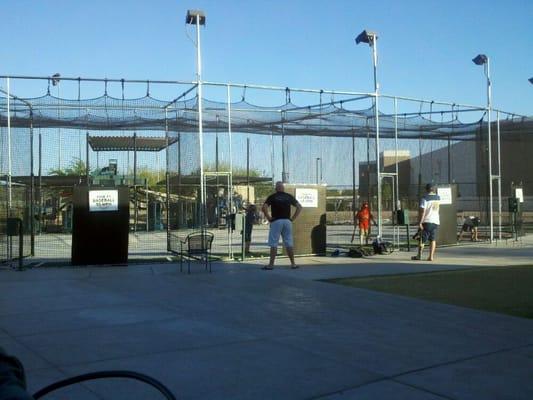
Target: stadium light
x=530 y=80
x=56 y=78
x=371 y=38
x=482 y=59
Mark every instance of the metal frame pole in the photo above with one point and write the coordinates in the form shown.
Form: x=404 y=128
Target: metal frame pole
x=397 y=204
x=376 y=110
x=136 y=211
x=167 y=180
x=489 y=133
x=499 y=179
x=283 y=167
x=230 y=180
x=32 y=188
x=40 y=183
x=200 y=121
x=9 y=160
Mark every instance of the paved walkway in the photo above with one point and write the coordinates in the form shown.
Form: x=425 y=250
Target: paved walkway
x=244 y=333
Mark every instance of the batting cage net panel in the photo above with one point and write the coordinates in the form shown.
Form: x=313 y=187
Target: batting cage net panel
x=181 y=181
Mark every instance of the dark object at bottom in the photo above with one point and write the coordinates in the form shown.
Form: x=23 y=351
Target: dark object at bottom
x=359 y=252
x=107 y=374
x=381 y=247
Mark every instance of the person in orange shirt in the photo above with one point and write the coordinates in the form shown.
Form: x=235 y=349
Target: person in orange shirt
x=363 y=217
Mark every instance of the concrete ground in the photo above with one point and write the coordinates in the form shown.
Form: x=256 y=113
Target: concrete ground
x=244 y=333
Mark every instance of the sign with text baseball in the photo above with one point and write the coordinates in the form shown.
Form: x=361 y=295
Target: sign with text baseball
x=445 y=194
x=103 y=200
x=307 y=197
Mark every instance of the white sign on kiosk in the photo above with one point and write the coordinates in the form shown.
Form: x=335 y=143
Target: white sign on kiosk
x=519 y=194
x=307 y=197
x=445 y=194
x=103 y=200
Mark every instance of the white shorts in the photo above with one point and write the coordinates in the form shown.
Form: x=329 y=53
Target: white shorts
x=281 y=227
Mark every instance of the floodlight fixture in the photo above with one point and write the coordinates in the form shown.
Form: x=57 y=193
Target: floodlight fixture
x=366 y=37
x=193 y=15
x=56 y=78
x=480 y=59
x=530 y=80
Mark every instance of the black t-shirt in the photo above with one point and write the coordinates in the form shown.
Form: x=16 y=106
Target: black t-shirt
x=280 y=204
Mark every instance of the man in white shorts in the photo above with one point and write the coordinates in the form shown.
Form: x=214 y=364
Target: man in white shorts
x=280 y=222
x=429 y=221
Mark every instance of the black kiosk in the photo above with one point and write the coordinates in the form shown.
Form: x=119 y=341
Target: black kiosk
x=100 y=225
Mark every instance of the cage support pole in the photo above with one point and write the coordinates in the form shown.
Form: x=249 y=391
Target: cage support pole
x=449 y=153
x=32 y=188
x=9 y=194
x=489 y=133
x=230 y=183
x=87 y=166
x=272 y=152
x=147 y=204
x=39 y=160
x=283 y=166
x=368 y=161
x=200 y=121
x=353 y=178
x=397 y=204
x=248 y=169
x=376 y=110
x=9 y=160
x=135 y=205
x=167 y=180
x=499 y=179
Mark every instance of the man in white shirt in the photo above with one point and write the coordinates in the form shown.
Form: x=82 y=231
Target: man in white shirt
x=429 y=221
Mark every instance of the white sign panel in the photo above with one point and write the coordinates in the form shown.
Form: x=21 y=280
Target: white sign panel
x=307 y=197
x=103 y=200
x=519 y=194
x=445 y=194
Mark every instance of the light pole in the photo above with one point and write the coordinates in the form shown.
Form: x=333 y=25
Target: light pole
x=372 y=38
x=197 y=17
x=482 y=59
x=530 y=80
x=56 y=78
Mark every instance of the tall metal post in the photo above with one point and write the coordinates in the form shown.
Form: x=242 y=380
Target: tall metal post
x=283 y=166
x=32 y=189
x=200 y=120
x=135 y=205
x=9 y=161
x=499 y=180
x=489 y=107
x=397 y=205
x=248 y=169
x=167 y=180
x=230 y=194
x=39 y=171
x=353 y=178
x=376 y=110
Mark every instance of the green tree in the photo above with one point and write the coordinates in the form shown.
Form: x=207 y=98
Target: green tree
x=77 y=167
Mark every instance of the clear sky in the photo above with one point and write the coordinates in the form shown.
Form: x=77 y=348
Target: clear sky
x=425 y=46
